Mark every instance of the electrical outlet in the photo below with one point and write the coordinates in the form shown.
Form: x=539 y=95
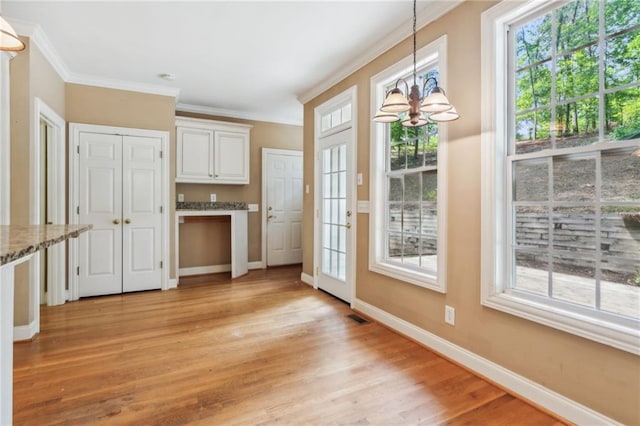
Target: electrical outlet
x=181 y=198
x=449 y=315
x=213 y=198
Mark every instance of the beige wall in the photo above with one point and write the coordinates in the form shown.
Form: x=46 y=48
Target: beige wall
x=31 y=77
x=198 y=250
x=598 y=376
x=122 y=108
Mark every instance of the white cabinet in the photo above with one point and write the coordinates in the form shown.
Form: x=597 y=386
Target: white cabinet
x=212 y=151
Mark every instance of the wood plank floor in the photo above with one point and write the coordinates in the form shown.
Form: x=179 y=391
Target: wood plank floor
x=263 y=349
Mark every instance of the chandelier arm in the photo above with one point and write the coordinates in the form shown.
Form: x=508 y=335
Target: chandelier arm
x=424 y=85
x=406 y=85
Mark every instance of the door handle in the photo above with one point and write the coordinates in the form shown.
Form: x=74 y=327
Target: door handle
x=348 y=225
x=348 y=213
x=270 y=208
x=270 y=216
x=127 y=221
x=116 y=221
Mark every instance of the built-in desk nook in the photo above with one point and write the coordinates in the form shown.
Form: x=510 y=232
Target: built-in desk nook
x=18 y=244
x=235 y=212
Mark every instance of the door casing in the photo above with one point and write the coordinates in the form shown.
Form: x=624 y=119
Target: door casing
x=74 y=139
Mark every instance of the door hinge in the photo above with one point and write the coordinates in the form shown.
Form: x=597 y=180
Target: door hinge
x=317 y=214
x=161 y=209
x=78 y=270
x=78 y=210
x=317 y=270
x=160 y=154
x=78 y=149
x=161 y=264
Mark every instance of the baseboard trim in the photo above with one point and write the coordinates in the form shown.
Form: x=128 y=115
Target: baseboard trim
x=213 y=269
x=25 y=332
x=519 y=385
x=173 y=283
x=307 y=279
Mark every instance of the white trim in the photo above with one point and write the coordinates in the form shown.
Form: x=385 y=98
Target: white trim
x=363 y=206
x=56 y=253
x=5 y=140
x=244 y=115
x=264 y=213
x=494 y=239
x=433 y=11
x=130 y=86
x=307 y=279
x=74 y=139
x=26 y=332
x=213 y=269
x=436 y=53
x=173 y=283
x=515 y=383
x=340 y=99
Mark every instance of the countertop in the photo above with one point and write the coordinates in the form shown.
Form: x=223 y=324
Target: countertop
x=218 y=205
x=17 y=241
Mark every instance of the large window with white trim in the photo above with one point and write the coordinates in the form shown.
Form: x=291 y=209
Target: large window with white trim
x=409 y=185
x=563 y=242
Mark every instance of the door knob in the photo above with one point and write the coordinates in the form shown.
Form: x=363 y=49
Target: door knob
x=116 y=221
x=127 y=221
x=270 y=216
x=270 y=208
x=348 y=225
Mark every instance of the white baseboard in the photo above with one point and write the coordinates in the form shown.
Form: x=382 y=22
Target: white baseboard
x=173 y=283
x=519 y=385
x=213 y=269
x=25 y=332
x=307 y=279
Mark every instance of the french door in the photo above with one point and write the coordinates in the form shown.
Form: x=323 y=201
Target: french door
x=334 y=272
x=120 y=194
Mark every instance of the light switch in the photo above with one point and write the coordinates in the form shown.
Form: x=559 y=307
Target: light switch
x=306 y=189
x=213 y=198
x=359 y=178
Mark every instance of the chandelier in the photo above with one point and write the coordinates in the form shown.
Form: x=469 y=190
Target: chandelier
x=433 y=106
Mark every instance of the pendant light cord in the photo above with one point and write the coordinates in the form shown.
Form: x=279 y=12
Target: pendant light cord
x=414 y=42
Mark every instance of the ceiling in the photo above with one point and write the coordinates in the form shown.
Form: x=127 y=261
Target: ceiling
x=249 y=59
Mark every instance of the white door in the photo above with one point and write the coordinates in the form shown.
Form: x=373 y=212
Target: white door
x=120 y=194
x=335 y=214
x=284 y=206
x=142 y=213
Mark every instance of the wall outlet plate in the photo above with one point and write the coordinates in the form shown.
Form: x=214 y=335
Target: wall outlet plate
x=181 y=198
x=213 y=198
x=449 y=314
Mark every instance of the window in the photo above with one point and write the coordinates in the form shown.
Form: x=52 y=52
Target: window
x=408 y=184
x=561 y=170
x=336 y=120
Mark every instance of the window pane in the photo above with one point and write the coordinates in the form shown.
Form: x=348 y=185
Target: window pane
x=346 y=113
x=394 y=241
x=531 y=180
x=532 y=131
x=412 y=187
x=621 y=14
x=430 y=186
x=411 y=219
x=431 y=144
x=395 y=217
x=620 y=265
x=531 y=274
x=326 y=123
x=395 y=189
x=533 y=87
x=574 y=179
x=335 y=118
x=577 y=123
x=623 y=114
x=342 y=164
x=533 y=41
x=622 y=59
x=620 y=176
x=398 y=155
x=577 y=24
x=532 y=227
x=574 y=231
x=573 y=279
x=577 y=73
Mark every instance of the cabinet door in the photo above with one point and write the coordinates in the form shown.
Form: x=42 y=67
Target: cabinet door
x=231 y=157
x=194 y=155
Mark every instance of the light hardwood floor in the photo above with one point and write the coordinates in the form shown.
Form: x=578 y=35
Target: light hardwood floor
x=262 y=349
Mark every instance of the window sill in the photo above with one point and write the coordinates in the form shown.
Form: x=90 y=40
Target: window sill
x=599 y=330
x=411 y=276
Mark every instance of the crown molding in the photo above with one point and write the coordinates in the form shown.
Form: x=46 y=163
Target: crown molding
x=222 y=112
x=88 y=80
x=38 y=37
x=433 y=11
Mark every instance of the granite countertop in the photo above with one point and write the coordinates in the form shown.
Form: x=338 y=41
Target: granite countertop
x=17 y=241
x=206 y=205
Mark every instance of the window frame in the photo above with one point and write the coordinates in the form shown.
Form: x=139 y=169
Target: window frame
x=433 y=54
x=495 y=196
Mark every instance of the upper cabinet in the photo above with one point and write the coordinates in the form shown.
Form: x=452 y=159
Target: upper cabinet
x=212 y=151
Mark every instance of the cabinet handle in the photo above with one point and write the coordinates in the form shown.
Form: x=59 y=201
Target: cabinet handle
x=116 y=221
x=127 y=221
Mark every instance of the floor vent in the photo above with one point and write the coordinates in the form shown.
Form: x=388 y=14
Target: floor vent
x=358 y=319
